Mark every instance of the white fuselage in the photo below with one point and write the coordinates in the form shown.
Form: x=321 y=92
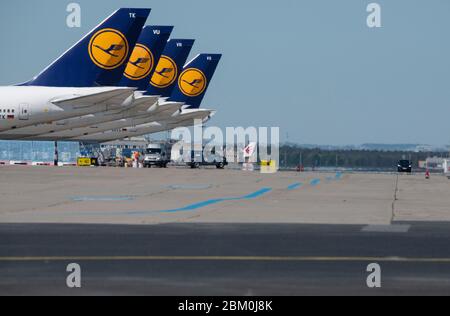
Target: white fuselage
x=27 y=106
x=58 y=130
x=96 y=123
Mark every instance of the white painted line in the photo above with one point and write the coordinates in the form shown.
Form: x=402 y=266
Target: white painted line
x=386 y=229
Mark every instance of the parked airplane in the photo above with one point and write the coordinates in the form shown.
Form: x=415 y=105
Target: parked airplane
x=146 y=56
x=69 y=87
x=193 y=83
x=138 y=72
x=177 y=50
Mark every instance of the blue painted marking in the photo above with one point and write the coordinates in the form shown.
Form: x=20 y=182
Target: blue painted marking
x=255 y=195
x=102 y=198
x=200 y=205
x=314 y=182
x=197 y=206
x=294 y=186
x=337 y=177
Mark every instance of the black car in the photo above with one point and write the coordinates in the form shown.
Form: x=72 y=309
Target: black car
x=404 y=166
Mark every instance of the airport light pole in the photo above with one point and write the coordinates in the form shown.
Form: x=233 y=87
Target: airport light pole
x=285 y=159
x=286 y=152
x=56 y=160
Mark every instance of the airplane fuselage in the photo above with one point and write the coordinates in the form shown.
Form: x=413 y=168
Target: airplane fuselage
x=23 y=106
x=56 y=129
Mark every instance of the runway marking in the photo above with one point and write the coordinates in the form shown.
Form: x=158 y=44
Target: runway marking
x=189 y=208
x=295 y=186
x=190 y=186
x=102 y=198
x=229 y=258
x=196 y=206
x=337 y=177
x=386 y=229
x=315 y=182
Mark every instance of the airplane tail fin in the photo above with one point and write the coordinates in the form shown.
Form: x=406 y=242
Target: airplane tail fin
x=169 y=67
x=99 y=58
x=250 y=150
x=146 y=54
x=194 y=80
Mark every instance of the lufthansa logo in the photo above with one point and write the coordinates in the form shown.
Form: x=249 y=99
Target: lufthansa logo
x=165 y=74
x=140 y=64
x=108 y=49
x=192 y=82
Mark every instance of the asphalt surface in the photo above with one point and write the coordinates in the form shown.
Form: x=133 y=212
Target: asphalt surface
x=126 y=196
x=225 y=259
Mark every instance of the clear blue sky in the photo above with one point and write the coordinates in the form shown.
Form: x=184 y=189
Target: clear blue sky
x=312 y=67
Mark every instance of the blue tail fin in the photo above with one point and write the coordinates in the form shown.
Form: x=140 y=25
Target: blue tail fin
x=146 y=54
x=194 y=80
x=99 y=59
x=169 y=67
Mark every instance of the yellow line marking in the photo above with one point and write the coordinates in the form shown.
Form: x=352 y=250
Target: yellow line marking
x=228 y=258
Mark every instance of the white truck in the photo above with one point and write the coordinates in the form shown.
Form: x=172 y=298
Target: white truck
x=446 y=165
x=157 y=155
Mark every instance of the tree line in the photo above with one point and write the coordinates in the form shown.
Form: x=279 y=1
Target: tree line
x=293 y=156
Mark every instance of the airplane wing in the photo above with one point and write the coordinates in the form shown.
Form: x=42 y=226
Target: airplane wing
x=146 y=104
x=115 y=96
x=184 y=118
x=167 y=110
x=188 y=116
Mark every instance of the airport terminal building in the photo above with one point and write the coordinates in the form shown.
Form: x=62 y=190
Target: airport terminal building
x=42 y=152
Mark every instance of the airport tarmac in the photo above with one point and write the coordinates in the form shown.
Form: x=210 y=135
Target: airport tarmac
x=178 y=231
x=225 y=259
x=155 y=196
